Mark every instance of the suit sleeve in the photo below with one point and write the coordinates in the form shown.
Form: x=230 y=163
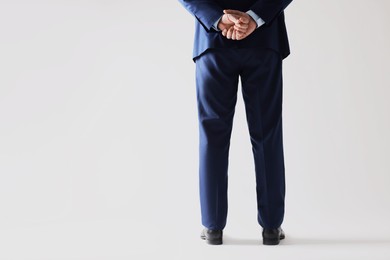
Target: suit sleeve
x=207 y=12
x=269 y=9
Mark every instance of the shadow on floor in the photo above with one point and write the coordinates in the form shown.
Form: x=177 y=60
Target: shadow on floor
x=228 y=240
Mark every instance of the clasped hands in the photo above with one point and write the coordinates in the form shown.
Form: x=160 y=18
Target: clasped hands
x=236 y=25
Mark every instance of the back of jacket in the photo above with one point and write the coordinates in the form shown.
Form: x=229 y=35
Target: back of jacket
x=272 y=34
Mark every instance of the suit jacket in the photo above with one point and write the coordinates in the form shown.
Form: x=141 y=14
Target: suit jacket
x=272 y=34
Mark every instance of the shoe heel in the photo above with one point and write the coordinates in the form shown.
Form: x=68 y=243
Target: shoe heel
x=270 y=242
x=217 y=241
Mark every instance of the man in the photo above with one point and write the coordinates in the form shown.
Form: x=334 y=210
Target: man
x=246 y=39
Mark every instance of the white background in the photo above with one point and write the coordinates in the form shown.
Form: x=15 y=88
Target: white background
x=99 y=134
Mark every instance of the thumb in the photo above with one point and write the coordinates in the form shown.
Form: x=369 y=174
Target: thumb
x=244 y=19
x=232 y=18
x=238 y=16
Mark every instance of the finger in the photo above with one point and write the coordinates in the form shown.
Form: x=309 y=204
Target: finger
x=244 y=19
x=243 y=25
x=241 y=31
x=239 y=15
x=224 y=32
x=234 y=35
x=230 y=11
x=233 y=18
x=240 y=27
x=226 y=19
x=229 y=33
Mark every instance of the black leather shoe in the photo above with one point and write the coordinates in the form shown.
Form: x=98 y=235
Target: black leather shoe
x=272 y=236
x=212 y=237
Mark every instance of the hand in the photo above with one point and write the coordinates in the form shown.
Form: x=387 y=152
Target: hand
x=236 y=25
x=230 y=20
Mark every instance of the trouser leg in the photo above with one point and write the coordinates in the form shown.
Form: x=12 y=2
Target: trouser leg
x=262 y=92
x=216 y=88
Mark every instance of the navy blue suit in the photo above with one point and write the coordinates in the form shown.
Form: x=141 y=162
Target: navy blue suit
x=257 y=61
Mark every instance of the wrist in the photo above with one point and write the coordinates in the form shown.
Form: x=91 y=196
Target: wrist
x=255 y=18
x=251 y=20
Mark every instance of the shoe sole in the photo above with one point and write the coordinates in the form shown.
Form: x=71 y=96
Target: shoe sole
x=217 y=241
x=272 y=241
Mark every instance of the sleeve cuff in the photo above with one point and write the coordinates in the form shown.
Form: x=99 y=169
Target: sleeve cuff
x=255 y=17
x=215 y=25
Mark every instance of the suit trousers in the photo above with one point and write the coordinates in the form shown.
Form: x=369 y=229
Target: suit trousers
x=217 y=76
